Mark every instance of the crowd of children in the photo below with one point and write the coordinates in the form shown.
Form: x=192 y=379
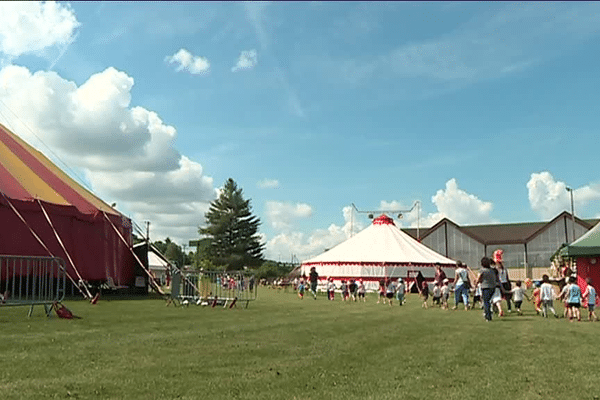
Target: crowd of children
x=542 y=297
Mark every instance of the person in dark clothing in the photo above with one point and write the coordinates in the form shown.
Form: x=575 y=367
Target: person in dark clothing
x=313 y=276
x=488 y=278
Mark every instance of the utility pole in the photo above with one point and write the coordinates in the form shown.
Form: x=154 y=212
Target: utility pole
x=570 y=190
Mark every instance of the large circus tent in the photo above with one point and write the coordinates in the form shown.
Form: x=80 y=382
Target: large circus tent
x=44 y=212
x=378 y=252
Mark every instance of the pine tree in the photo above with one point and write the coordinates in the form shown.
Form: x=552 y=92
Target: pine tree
x=232 y=230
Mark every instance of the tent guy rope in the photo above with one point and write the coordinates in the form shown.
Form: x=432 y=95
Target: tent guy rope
x=154 y=285
x=40 y=241
x=87 y=292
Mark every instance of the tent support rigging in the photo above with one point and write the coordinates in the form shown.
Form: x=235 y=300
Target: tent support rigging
x=87 y=292
x=180 y=271
x=40 y=241
x=154 y=285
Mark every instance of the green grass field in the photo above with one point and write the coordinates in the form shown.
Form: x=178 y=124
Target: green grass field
x=284 y=348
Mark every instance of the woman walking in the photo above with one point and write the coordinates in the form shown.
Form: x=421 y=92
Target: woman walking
x=488 y=278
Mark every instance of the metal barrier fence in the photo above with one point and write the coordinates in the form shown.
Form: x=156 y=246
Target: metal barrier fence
x=214 y=287
x=31 y=281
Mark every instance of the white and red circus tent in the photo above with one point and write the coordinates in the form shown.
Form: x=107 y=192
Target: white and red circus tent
x=380 y=251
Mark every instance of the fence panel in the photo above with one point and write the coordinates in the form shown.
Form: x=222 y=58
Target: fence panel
x=31 y=281
x=215 y=287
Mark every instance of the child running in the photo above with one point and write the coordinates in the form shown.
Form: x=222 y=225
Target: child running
x=497 y=301
x=344 y=289
x=590 y=296
x=390 y=290
x=330 y=289
x=381 y=291
x=518 y=294
x=400 y=291
x=477 y=296
x=353 y=288
x=361 y=290
x=301 y=289
x=436 y=295
x=564 y=296
x=574 y=299
x=547 y=295
x=445 y=294
x=424 y=294
x=537 y=298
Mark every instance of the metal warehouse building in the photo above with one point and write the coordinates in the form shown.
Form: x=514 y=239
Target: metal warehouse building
x=527 y=247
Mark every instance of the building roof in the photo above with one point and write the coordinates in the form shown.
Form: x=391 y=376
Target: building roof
x=512 y=233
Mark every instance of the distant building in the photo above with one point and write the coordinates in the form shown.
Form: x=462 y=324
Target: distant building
x=527 y=246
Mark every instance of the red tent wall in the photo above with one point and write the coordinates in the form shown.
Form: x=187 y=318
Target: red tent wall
x=95 y=248
x=588 y=267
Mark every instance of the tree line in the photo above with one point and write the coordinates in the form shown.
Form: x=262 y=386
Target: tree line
x=229 y=241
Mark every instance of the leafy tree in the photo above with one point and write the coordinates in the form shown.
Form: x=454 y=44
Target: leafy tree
x=232 y=230
x=173 y=252
x=273 y=269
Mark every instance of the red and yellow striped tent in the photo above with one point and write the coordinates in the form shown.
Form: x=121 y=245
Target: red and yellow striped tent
x=44 y=212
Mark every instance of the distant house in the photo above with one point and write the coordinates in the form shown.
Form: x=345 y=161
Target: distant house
x=527 y=247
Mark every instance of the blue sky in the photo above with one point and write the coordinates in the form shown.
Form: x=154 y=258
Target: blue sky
x=482 y=112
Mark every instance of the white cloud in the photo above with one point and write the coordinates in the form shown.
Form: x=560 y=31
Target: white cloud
x=189 y=62
x=451 y=202
x=127 y=153
x=280 y=215
x=303 y=247
x=247 y=60
x=549 y=197
x=459 y=206
x=268 y=184
x=29 y=27
x=92 y=124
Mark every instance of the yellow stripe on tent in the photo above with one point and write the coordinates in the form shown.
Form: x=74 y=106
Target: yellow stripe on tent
x=83 y=192
x=33 y=184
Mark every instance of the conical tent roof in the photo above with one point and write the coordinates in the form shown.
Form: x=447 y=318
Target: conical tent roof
x=587 y=245
x=26 y=174
x=381 y=242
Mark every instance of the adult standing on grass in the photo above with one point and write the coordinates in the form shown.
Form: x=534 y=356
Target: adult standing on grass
x=488 y=278
x=461 y=285
x=504 y=279
x=440 y=275
x=313 y=276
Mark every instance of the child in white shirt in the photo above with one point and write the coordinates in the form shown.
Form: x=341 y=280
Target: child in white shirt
x=590 y=295
x=436 y=294
x=519 y=294
x=400 y=292
x=547 y=295
x=330 y=289
x=445 y=294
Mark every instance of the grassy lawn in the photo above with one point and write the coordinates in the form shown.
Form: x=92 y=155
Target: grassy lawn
x=284 y=348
